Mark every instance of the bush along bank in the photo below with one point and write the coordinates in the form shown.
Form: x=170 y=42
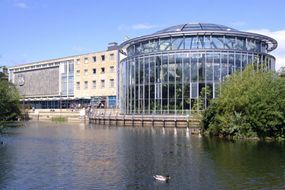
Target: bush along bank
x=251 y=105
x=9 y=103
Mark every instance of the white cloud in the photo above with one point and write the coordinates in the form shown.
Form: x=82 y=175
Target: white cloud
x=279 y=52
x=140 y=26
x=21 y=5
x=143 y=26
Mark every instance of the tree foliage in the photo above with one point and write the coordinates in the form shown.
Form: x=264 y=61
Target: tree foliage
x=251 y=104
x=9 y=102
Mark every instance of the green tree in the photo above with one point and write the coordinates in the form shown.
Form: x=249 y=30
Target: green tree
x=9 y=102
x=2 y=76
x=201 y=102
x=251 y=104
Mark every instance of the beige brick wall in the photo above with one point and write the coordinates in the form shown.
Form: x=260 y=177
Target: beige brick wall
x=83 y=72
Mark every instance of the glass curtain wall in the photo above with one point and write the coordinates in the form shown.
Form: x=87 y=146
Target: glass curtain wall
x=198 y=42
x=177 y=82
x=67 y=78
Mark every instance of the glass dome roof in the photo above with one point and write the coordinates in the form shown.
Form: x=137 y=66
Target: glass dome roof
x=203 y=29
x=196 y=27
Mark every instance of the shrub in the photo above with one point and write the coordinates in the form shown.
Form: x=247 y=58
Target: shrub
x=251 y=103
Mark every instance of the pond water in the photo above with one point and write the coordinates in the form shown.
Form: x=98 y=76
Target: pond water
x=45 y=155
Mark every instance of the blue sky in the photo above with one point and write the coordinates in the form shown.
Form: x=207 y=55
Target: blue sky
x=34 y=30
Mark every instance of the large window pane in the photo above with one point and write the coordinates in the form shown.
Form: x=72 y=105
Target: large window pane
x=230 y=42
x=197 y=42
x=178 y=74
x=250 y=59
x=146 y=79
x=141 y=70
x=207 y=42
x=194 y=68
x=238 y=62
x=186 y=67
x=131 y=50
x=217 y=42
x=201 y=67
x=164 y=44
x=145 y=47
x=158 y=69
x=231 y=63
x=208 y=67
x=165 y=68
x=240 y=44
x=177 y=43
x=194 y=90
x=153 y=45
x=137 y=69
x=216 y=67
x=171 y=68
x=188 y=42
x=152 y=69
x=251 y=45
x=244 y=61
x=138 y=48
x=224 y=65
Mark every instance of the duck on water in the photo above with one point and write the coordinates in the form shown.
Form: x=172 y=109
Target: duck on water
x=161 y=178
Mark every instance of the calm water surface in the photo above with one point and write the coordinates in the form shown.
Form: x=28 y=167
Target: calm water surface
x=77 y=156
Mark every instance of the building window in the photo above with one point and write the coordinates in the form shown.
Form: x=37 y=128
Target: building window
x=102 y=83
x=77 y=72
x=77 y=61
x=94 y=59
x=103 y=57
x=112 y=57
x=112 y=101
x=77 y=85
x=94 y=71
x=112 y=83
x=94 y=84
x=112 y=69
x=85 y=71
x=86 y=60
x=85 y=84
x=102 y=70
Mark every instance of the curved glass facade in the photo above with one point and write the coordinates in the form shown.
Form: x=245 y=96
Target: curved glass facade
x=197 y=42
x=177 y=75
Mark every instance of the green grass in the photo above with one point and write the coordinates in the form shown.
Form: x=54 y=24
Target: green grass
x=59 y=119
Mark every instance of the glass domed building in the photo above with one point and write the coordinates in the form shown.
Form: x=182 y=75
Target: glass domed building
x=178 y=69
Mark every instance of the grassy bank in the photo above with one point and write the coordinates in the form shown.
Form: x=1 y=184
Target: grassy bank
x=59 y=119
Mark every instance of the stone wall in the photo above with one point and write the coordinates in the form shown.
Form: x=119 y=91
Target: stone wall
x=41 y=82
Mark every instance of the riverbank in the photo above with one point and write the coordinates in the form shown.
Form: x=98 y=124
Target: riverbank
x=69 y=115
x=168 y=121
x=113 y=117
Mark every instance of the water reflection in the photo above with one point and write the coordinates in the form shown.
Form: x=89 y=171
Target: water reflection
x=78 y=156
x=244 y=164
x=187 y=133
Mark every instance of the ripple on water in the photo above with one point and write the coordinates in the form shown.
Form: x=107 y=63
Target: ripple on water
x=72 y=156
